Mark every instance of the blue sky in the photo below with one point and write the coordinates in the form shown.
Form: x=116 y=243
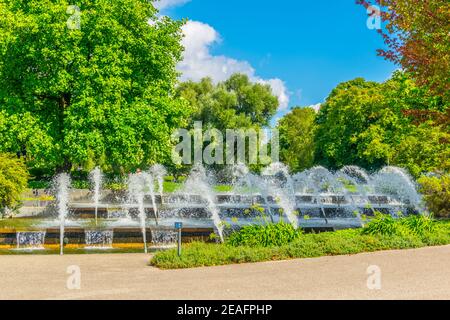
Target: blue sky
x=304 y=48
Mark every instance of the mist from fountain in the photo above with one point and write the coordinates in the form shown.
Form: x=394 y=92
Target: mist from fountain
x=281 y=186
x=150 y=182
x=361 y=181
x=200 y=183
x=96 y=179
x=136 y=191
x=99 y=239
x=399 y=185
x=244 y=182
x=62 y=184
x=30 y=240
x=159 y=172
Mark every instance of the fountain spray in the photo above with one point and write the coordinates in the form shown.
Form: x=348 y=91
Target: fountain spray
x=96 y=179
x=136 y=190
x=62 y=184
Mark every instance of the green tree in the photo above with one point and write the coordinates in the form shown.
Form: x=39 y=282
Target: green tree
x=417 y=38
x=364 y=123
x=297 y=138
x=234 y=103
x=13 y=181
x=88 y=86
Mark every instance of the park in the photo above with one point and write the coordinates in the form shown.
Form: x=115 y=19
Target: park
x=121 y=147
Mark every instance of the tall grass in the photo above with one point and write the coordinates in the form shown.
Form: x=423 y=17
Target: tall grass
x=270 y=235
x=384 y=224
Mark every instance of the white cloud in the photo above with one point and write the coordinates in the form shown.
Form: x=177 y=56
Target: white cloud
x=198 y=62
x=164 y=4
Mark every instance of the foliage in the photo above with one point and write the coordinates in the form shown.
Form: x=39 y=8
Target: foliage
x=436 y=191
x=98 y=95
x=307 y=246
x=363 y=123
x=274 y=234
x=418 y=38
x=384 y=224
x=235 y=103
x=297 y=138
x=13 y=181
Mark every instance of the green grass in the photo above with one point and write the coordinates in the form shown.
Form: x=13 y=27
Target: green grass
x=169 y=186
x=19 y=223
x=306 y=246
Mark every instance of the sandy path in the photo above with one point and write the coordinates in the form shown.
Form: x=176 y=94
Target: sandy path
x=410 y=274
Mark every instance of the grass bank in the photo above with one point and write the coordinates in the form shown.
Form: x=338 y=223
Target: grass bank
x=306 y=246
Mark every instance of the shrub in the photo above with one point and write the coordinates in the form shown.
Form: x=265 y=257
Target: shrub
x=383 y=224
x=418 y=225
x=436 y=191
x=386 y=225
x=13 y=181
x=269 y=235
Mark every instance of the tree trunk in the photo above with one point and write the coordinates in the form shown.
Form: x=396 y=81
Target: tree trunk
x=64 y=102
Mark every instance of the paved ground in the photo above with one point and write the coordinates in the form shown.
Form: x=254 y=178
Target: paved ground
x=412 y=274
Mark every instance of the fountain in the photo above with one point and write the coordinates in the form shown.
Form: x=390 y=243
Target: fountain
x=282 y=187
x=399 y=186
x=199 y=183
x=99 y=239
x=245 y=181
x=62 y=186
x=137 y=189
x=30 y=240
x=96 y=179
x=159 y=172
x=324 y=199
x=164 y=238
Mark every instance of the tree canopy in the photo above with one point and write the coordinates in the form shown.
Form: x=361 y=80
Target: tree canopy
x=13 y=181
x=418 y=39
x=88 y=86
x=234 y=103
x=297 y=138
x=363 y=123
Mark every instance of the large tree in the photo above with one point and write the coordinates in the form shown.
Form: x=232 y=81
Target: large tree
x=363 y=123
x=297 y=138
x=418 y=38
x=234 y=103
x=91 y=84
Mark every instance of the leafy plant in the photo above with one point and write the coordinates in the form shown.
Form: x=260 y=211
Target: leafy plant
x=436 y=191
x=384 y=224
x=419 y=224
x=13 y=181
x=269 y=235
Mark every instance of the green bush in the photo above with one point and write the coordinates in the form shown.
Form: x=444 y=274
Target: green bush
x=436 y=191
x=419 y=225
x=13 y=181
x=386 y=225
x=270 y=235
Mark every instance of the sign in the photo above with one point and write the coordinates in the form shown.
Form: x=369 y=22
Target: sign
x=178 y=225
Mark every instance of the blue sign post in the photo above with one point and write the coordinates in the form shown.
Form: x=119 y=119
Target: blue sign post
x=179 y=226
